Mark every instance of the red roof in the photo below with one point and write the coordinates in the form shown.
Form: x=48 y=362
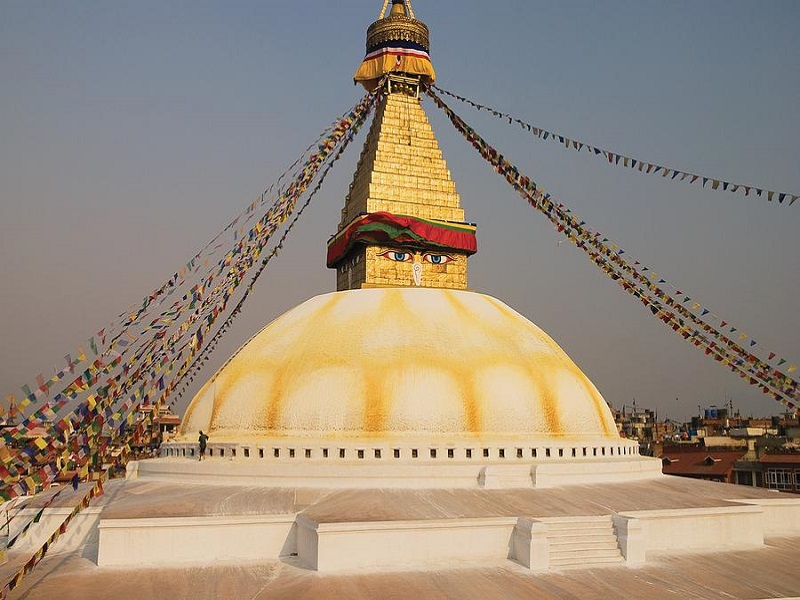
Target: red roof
x=789 y=457
x=700 y=462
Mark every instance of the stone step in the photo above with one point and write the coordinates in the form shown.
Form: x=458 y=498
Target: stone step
x=570 y=522
x=589 y=534
x=609 y=543
x=574 y=532
x=578 y=518
x=586 y=564
x=584 y=554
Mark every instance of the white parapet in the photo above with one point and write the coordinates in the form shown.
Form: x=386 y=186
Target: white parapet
x=530 y=546
x=781 y=514
x=556 y=474
x=712 y=528
x=198 y=540
x=332 y=547
x=631 y=539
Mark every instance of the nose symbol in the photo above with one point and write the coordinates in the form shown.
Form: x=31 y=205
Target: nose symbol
x=416 y=271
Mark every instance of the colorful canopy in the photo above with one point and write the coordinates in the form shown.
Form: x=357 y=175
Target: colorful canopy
x=395 y=56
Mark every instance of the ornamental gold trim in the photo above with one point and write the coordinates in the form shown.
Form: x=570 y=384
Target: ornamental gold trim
x=400 y=28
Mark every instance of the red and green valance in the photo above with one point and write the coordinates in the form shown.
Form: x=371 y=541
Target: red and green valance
x=386 y=229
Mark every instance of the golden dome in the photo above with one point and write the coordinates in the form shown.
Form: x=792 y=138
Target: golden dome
x=400 y=363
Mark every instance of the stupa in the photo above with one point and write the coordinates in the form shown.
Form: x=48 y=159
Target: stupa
x=372 y=439
x=402 y=377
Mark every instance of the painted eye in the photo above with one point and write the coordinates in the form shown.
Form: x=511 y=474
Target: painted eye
x=397 y=256
x=438 y=259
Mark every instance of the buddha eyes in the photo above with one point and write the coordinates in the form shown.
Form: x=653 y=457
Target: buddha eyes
x=428 y=257
x=437 y=259
x=397 y=256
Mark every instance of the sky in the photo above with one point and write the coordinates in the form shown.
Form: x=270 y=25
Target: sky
x=131 y=133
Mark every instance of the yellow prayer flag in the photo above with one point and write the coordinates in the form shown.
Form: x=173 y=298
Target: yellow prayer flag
x=40 y=443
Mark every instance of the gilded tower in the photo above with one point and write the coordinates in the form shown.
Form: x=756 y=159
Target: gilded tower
x=402 y=223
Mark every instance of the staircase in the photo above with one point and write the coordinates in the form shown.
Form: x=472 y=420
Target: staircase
x=582 y=542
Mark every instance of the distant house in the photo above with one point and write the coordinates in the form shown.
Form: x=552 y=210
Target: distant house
x=700 y=463
x=782 y=471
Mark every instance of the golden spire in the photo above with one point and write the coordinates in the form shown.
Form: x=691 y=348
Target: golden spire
x=402 y=223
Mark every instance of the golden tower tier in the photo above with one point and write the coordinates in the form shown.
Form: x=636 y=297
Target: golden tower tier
x=402 y=223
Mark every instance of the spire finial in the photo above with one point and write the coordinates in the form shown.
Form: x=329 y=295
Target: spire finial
x=399 y=7
x=396 y=43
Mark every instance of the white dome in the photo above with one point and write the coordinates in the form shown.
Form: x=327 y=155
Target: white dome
x=400 y=363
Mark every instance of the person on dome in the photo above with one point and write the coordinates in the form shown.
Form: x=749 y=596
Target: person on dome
x=203 y=439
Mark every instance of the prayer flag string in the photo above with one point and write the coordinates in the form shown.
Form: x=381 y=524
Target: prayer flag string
x=173 y=353
x=643 y=166
x=119 y=332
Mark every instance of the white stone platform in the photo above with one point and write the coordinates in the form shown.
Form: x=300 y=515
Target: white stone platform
x=175 y=527
x=335 y=530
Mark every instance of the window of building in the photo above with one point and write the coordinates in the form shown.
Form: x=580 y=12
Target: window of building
x=260 y=453
x=324 y=453
x=247 y=452
x=397 y=452
x=308 y=452
x=377 y=452
x=291 y=452
x=433 y=452
x=414 y=453
x=469 y=452
x=502 y=452
x=360 y=453
x=485 y=453
x=450 y=453
x=779 y=479
x=276 y=452
x=341 y=452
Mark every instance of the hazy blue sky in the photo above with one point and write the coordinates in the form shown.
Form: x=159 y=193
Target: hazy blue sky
x=132 y=132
